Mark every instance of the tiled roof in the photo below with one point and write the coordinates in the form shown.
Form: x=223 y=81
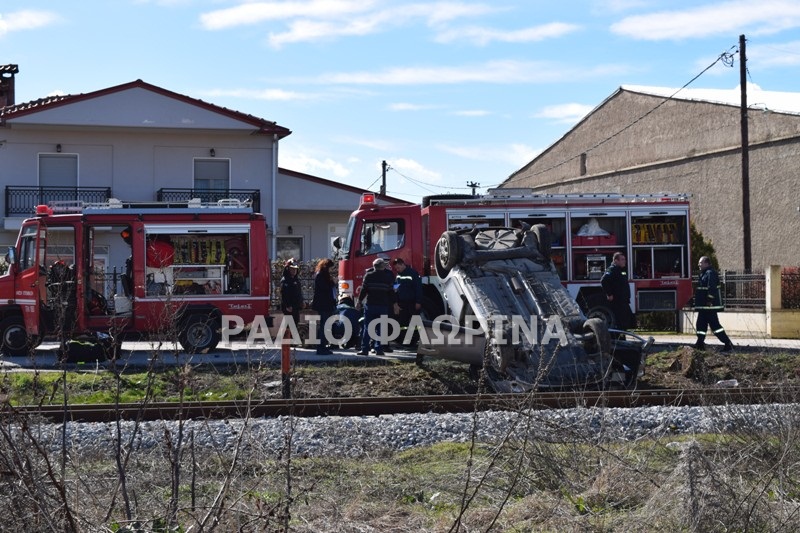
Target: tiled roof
x=264 y=126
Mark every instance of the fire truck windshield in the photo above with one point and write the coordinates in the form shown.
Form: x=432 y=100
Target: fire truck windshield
x=343 y=249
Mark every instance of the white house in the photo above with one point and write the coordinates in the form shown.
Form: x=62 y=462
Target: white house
x=140 y=143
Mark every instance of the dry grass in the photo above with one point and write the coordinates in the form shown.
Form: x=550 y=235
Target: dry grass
x=746 y=480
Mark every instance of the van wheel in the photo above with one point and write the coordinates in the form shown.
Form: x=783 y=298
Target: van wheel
x=545 y=239
x=449 y=249
x=600 y=338
x=496 y=239
x=200 y=334
x=14 y=337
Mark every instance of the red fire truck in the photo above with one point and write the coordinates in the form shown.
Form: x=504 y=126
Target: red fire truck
x=585 y=229
x=178 y=268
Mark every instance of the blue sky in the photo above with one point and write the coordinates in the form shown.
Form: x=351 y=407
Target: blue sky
x=447 y=92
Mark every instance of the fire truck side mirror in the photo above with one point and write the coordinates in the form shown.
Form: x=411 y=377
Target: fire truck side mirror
x=337 y=243
x=11 y=256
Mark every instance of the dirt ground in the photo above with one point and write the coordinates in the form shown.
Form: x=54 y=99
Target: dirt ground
x=667 y=367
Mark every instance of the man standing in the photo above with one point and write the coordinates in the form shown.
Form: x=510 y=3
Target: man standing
x=708 y=303
x=618 y=292
x=408 y=286
x=377 y=291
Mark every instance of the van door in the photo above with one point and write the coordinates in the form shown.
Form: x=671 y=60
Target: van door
x=30 y=290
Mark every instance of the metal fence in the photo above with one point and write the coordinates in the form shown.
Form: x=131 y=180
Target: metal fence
x=744 y=290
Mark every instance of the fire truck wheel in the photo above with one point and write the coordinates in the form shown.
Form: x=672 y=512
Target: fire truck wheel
x=545 y=239
x=15 y=340
x=200 y=334
x=597 y=307
x=449 y=249
x=600 y=340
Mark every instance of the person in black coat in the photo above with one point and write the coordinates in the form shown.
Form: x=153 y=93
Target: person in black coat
x=708 y=302
x=324 y=301
x=291 y=291
x=377 y=290
x=618 y=292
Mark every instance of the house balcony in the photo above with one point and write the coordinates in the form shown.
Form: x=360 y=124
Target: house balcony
x=21 y=200
x=250 y=196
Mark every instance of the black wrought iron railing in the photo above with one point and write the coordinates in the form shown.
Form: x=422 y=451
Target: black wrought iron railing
x=250 y=196
x=21 y=200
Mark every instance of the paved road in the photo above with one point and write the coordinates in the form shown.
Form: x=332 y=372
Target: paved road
x=143 y=354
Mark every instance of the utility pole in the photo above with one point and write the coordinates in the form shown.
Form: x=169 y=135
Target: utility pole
x=746 y=234
x=384 y=166
x=473 y=185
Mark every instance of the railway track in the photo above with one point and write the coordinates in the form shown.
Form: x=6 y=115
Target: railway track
x=374 y=406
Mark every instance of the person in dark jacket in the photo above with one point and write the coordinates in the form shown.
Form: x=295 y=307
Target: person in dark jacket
x=291 y=291
x=707 y=303
x=376 y=296
x=618 y=292
x=408 y=288
x=324 y=301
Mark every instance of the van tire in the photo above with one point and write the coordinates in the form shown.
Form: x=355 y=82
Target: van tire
x=600 y=338
x=200 y=333
x=14 y=337
x=545 y=239
x=450 y=249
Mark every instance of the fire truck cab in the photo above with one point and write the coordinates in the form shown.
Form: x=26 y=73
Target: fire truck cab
x=170 y=270
x=586 y=229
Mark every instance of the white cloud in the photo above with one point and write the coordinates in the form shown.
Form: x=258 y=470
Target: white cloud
x=27 y=19
x=501 y=71
x=308 y=164
x=256 y=12
x=565 y=113
x=724 y=18
x=775 y=55
x=405 y=106
x=265 y=94
x=515 y=154
x=318 y=20
x=415 y=170
x=483 y=36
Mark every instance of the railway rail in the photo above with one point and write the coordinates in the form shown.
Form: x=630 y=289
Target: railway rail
x=374 y=406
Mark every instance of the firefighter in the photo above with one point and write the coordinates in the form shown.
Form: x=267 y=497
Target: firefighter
x=291 y=291
x=708 y=303
x=408 y=286
x=618 y=292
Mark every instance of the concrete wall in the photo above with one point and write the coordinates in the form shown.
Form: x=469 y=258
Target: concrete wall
x=686 y=147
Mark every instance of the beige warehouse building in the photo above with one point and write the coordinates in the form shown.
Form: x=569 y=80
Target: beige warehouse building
x=645 y=140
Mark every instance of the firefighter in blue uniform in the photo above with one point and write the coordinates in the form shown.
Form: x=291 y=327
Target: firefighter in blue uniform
x=707 y=303
x=408 y=286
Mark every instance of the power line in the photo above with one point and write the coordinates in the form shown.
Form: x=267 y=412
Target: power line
x=425 y=185
x=726 y=58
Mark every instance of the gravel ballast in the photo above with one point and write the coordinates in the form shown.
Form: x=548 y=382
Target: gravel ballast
x=359 y=436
